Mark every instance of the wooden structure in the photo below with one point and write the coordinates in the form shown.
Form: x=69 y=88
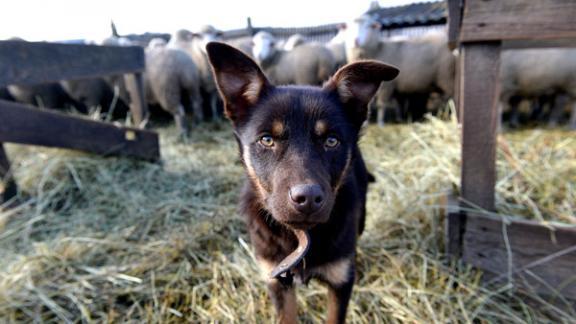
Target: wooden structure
x=408 y=20
x=25 y=63
x=539 y=257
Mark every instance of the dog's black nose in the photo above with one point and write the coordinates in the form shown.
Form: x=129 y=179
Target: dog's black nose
x=306 y=198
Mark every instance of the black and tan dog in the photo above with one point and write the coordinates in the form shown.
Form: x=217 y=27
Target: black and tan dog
x=305 y=198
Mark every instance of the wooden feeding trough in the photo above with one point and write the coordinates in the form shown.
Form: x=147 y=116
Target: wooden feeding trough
x=25 y=63
x=537 y=257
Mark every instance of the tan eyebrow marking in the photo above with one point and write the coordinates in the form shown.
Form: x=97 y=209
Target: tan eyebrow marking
x=321 y=127
x=277 y=128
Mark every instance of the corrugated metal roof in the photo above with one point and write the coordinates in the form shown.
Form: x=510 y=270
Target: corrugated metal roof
x=415 y=14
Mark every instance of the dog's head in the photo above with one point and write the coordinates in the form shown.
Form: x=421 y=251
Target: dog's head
x=296 y=143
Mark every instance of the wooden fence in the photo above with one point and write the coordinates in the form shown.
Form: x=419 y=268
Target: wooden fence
x=25 y=63
x=535 y=256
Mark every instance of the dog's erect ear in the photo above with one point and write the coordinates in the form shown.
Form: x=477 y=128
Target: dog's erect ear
x=240 y=81
x=356 y=84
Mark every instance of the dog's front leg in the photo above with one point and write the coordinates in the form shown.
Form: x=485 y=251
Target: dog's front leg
x=338 y=298
x=284 y=299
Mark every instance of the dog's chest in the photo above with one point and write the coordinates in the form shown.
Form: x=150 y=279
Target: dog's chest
x=336 y=272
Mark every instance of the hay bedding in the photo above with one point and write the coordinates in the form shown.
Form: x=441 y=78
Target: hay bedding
x=114 y=240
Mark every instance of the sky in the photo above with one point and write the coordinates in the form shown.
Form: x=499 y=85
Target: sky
x=37 y=20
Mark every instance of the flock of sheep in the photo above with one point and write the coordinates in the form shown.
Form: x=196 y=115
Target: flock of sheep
x=178 y=77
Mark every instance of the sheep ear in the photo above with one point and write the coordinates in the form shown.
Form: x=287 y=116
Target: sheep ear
x=356 y=84
x=239 y=79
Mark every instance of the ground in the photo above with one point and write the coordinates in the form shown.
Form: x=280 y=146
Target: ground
x=115 y=240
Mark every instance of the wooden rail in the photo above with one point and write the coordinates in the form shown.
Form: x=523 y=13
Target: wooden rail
x=495 y=20
x=540 y=258
x=26 y=125
x=27 y=63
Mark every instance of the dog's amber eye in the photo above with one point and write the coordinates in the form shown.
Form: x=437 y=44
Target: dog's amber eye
x=331 y=142
x=267 y=140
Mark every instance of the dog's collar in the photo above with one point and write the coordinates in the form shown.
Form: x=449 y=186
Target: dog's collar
x=283 y=271
x=286 y=279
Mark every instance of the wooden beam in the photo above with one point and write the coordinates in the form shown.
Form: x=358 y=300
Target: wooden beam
x=138 y=106
x=535 y=256
x=454 y=22
x=518 y=19
x=543 y=43
x=27 y=125
x=479 y=101
x=8 y=184
x=31 y=63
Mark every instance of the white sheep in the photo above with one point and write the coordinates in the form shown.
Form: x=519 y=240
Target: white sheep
x=532 y=73
x=337 y=46
x=242 y=43
x=308 y=63
x=170 y=76
x=194 y=44
x=426 y=64
x=293 y=41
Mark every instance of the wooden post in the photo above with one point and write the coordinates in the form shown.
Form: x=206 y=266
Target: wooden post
x=10 y=188
x=479 y=92
x=249 y=27
x=457 y=93
x=138 y=107
x=454 y=21
x=455 y=225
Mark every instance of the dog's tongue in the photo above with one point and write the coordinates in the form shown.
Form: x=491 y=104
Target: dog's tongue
x=295 y=257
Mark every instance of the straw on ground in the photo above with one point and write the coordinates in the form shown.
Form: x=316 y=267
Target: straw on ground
x=114 y=240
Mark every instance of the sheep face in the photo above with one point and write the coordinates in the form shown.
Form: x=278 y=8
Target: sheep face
x=363 y=32
x=264 y=46
x=157 y=43
x=208 y=34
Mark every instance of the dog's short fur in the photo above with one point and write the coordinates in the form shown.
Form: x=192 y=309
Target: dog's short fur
x=299 y=148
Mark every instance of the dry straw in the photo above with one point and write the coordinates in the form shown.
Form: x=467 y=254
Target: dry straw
x=114 y=240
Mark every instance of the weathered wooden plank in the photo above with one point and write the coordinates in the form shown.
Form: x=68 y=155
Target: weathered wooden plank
x=8 y=187
x=542 y=43
x=455 y=225
x=34 y=62
x=138 y=106
x=454 y=22
x=535 y=256
x=26 y=125
x=457 y=91
x=493 y=20
x=479 y=91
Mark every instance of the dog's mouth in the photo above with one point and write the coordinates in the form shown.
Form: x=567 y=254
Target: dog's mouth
x=301 y=225
x=300 y=221
x=292 y=260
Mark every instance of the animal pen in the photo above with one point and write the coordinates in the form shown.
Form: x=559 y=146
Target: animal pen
x=410 y=20
x=26 y=63
x=536 y=256
x=177 y=252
